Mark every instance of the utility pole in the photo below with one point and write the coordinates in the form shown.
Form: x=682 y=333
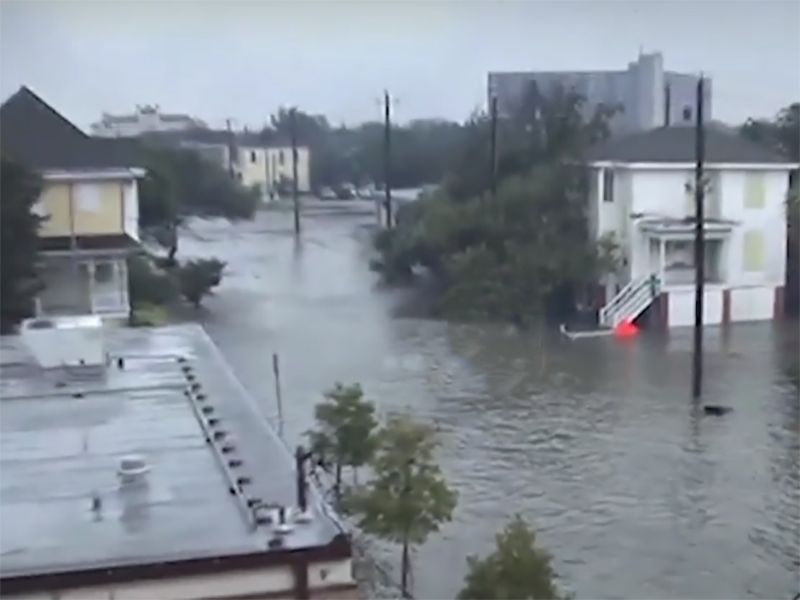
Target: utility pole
x=387 y=158
x=276 y=370
x=295 y=199
x=230 y=147
x=699 y=245
x=493 y=148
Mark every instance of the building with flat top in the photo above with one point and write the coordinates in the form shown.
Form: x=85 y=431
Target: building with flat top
x=136 y=466
x=145 y=119
x=647 y=95
x=642 y=194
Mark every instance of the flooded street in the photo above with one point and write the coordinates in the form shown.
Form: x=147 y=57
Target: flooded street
x=595 y=442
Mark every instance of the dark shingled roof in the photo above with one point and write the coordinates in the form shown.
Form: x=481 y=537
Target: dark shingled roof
x=676 y=144
x=34 y=134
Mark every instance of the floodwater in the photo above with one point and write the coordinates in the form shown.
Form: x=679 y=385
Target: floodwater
x=596 y=442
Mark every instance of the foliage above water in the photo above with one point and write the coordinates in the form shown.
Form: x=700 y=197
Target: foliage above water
x=345 y=429
x=196 y=278
x=515 y=569
x=524 y=251
x=180 y=183
x=19 y=281
x=408 y=498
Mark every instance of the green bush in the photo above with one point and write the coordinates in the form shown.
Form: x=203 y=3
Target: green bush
x=196 y=278
x=149 y=315
x=148 y=285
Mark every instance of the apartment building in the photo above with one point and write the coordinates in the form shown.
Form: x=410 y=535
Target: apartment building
x=145 y=119
x=648 y=96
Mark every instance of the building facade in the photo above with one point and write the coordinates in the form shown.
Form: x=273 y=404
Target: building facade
x=647 y=95
x=642 y=196
x=252 y=162
x=89 y=205
x=145 y=119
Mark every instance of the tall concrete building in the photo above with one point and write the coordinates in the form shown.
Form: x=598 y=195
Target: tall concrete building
x=648 y=95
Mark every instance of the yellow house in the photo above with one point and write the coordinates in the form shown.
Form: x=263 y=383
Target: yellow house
x=89 y=202
x=267 y=167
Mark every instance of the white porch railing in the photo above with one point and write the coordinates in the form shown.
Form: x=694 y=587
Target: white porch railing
x=630 y=301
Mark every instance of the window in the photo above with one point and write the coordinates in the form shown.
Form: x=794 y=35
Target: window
x=87 y=196
x=608 y=185
x=687 y=113
x=754 y=190
x=103 y=272
x=281 y=158
x=252 y=156
x=753 y=251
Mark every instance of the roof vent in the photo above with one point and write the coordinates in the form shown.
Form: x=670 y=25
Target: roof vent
x=282 y=527
x=132 y=468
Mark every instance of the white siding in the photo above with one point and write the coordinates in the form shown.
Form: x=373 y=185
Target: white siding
x=130 y=198
x=769 y=220
x=681 y=306
x=752 y=304
x=662 y=193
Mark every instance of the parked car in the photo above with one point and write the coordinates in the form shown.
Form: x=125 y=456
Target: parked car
x=327 y=193
x=345 y=192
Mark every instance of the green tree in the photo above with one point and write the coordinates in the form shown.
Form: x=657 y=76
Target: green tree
x=345 y=434
x=516 y=569
x=19 y=244
x=196 y=278
x=408 y=498
x=524 y=253
x=181 y=183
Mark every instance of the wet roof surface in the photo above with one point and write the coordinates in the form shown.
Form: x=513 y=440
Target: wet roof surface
x=58 y=451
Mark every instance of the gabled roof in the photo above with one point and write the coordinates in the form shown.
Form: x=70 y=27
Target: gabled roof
x=676 y=144
x=34 y=134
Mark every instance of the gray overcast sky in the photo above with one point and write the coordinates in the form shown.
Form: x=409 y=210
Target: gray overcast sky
x=244 y=59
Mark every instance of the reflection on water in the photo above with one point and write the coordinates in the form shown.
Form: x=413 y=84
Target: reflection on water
x=596 y=442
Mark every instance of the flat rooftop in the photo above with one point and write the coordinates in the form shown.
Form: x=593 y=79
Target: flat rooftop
x=63 y=506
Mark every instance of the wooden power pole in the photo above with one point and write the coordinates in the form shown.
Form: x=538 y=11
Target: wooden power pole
x=387 y=158
x=295 y=198
x=493 y=148
x=699 y=245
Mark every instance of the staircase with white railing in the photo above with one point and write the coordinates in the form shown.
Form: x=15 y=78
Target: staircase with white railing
x=630 y=301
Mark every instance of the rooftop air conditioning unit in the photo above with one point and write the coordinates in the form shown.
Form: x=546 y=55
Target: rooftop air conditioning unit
x=74 y=341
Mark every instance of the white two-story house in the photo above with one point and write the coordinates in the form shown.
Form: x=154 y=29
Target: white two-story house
x=642 y=194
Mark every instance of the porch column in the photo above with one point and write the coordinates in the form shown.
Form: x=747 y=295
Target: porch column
x=662 y=254
x=120 y=276
x=90 y=271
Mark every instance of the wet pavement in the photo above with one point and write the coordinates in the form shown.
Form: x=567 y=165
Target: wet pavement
x=596 y=442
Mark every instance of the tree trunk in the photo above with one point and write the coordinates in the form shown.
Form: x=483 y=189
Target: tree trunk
x=338 y=484
x=404 y=568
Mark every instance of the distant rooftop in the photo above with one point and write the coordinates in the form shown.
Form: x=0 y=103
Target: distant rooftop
x=676 y=144
x=216 y=473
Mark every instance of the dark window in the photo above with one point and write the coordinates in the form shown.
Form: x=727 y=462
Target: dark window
x=687 y=113
x=608 y=185
x=281 y=157
x=252 y=156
